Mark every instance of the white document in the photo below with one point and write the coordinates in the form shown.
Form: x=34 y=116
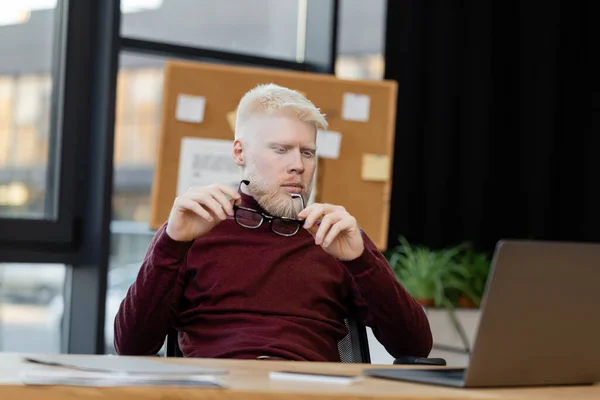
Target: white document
x=190 y=108
x=314 y=377
x=61 y=376
x=328 y=144
x=355 y=107
x=117 y=364
x=205 y=162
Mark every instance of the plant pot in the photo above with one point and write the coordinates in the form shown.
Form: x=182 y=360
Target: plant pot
x=426 y=302
x=465 y=302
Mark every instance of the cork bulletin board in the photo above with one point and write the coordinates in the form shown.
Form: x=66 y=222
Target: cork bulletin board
x=355 y=153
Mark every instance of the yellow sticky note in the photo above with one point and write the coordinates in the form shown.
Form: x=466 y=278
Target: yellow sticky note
x=376 y=167
x=231 y=115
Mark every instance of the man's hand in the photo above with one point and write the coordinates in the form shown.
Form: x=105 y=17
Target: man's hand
x=199 y=210
x=335 y=230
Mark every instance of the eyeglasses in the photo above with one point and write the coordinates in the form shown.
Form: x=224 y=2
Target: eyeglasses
x=253 y=219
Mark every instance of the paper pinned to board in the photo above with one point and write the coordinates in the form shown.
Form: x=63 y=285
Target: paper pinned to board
x=205 y=162
x=355 y=107
x=375 y=167
x=329 y=144
x=190 y=108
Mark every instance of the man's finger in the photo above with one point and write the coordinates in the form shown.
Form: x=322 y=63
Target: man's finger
x=222 y=200
x=335 y=230
x=314 y=212
x=326 y=223
x=311 y=214
x=313 y=230
x=208 y=201
x=195 y=207
x=229 y=191
x=308 y=210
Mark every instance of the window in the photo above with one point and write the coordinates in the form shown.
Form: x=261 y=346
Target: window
x=368 y=67
x=129 y=243
x=31 y=307
x=361 y=40
x=137 y=124
x=26 y=36
x=259 y=27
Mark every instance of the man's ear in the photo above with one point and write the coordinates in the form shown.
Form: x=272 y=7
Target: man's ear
x=238 y=153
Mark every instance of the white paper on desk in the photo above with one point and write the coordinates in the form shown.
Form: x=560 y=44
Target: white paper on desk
x=328 y=144
x=205 y=162
x=355 y=107
x=119 y=364
x=314 y=378
x=190 y=108
x=60 y=376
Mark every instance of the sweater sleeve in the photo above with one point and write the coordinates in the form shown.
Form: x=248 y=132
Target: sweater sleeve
x=397 y=319
x=149 y=307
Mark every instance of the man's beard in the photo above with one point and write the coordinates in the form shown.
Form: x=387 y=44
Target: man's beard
x=272 y=200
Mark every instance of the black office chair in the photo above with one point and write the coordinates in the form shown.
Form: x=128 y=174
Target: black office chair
x=353 y=348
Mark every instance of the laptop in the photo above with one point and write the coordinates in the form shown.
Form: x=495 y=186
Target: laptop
x=540 y=321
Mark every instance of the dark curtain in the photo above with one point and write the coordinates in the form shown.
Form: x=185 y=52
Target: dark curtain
x=497 y=121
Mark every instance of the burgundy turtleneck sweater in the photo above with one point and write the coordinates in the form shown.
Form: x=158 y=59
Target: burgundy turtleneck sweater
x=242 y=293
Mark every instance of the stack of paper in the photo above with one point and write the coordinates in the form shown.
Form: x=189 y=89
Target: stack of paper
x=116 y=371
x=51 y=376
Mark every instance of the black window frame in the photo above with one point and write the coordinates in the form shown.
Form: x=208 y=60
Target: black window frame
x=57 y=227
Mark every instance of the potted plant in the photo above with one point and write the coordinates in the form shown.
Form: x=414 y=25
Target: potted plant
x=443 y=278
x=423 y=272
x=469 y=277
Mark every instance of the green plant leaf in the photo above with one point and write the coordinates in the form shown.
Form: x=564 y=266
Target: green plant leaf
x=440 y=275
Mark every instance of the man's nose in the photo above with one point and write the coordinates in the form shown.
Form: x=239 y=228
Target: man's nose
x=296 y=163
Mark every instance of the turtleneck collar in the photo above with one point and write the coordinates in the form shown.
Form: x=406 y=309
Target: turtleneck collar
x=250 y=202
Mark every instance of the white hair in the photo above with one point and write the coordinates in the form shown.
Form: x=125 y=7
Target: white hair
x=270 y=98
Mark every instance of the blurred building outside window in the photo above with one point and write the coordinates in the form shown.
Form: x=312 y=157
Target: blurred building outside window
x=31 y=307
x=267 y=28
x=24 y=141
x=137 y=124
x=31 y=295
x=363 y=67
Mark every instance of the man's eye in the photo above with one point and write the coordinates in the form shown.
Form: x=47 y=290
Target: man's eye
x=309 y=154
x=280 y=149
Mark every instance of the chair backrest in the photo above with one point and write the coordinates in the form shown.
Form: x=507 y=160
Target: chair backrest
x=353 y=348
x=173 y=349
